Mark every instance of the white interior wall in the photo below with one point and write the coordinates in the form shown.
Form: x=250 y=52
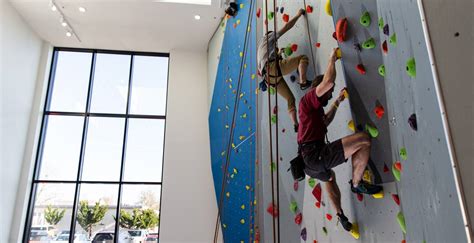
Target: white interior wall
x=188 y=207
x=213 y=56
x=21 y=52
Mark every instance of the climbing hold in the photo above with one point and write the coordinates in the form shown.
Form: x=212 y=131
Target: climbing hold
x=334 y=35
x=224 y=225
x=242 y=207
x=355 y=231
x=241 y=54
x=235 y=25
x=235 y=171
x=341 y=28
x=329 y=217
x=386 y=30
x=401 y=222
x=325 y=230
x=295 y=185
x=317 y=44
x=253 y=76
x=237 y=21
x=242 y=6
x=381 y=23
x=286 y=18
x=244 y=115
x=272 y=167
x=317 y=192
x=385 y=168
x=309 y=9
x=412 y=122
x=293 y=206
x=298 y=218
x=393 y=39
x=242 y=221
x=378 y=195
x=272 y=90
x=365 y=19
x=351 y=125
x=345 y=93
x=303 y=234
x=294 y=47
x=379 y=111
x=338 y=53
x=385 y=47
x=222 y=153
x=241 y=137
x=396 y=173
x=283 y=130
x=396 y=199
x=277 y=9
x=292 y=78
x=327 y=7
x=227 y=194
x=273 y=211
x=270 y=15
x=218 y=109
x=411 y=67
x=247 y=187
x=366 y=176
x=259 y=10
x=360 y=197
x=311 y=182
x=360 y=68
x=403 y=153
x=317 y=204
x=369 y=44
x=357 y=47
x=372 y=130
x=275 y=109
x=274 y=119
x=263 y=86
x=382 y=70
x=398 y=166
x=288 y=51
x=282 y=9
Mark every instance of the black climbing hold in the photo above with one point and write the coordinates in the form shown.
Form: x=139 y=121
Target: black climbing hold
x=282 y=9
x=292 y=78
x=357 y=46
x=360 y=128
x=456 y=34
x=386 y=30
x=412 y=122
x=263 y=86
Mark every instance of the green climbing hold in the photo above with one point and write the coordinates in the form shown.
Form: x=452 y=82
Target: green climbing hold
x=288 y=51
x=381 y=23
x=272 y=90
x=403 y=153
x=293 y=206
x=365 y=19
x=411 y=67
x=311 y=182
x=325 y=231
x=393 y=39
x=369 y=44
x=242 y=221
x=271 y=15
x=401 y=222
x=382 y=70
x=372 y=130
x=272 y=167
x=395 y=172
x=274 y=119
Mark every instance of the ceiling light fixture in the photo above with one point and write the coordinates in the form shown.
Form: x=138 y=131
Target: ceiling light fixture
x=54 y=8
x=64 y=24
x=197 y=17
x=82 y=9
x=68 y=34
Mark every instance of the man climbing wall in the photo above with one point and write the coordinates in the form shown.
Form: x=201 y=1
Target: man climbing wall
x=270 y=60
x=318 y=154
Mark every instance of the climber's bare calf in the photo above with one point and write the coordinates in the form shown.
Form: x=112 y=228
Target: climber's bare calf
x=357 y=146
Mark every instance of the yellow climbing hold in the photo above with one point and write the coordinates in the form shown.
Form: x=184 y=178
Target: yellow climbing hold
x=328 y=8
x=235 y=171
x=367 y=176
x=224 y=225
x=242 y=221
x=241 y=54
x=245 y=65
x=227 y=126
x=253 y=77
x=241 y=95
x=355 y=231
x=227 y=194
x=242 y=207
x=233 y=145
x=351 y=125
x=247 y=187
x=378 y=195
x=230 y=86
x=241 y=137
x=244 y=115
x=241 y=6
x=238 y=21
x=346 y=94
x=255 y=202
x=338 y=53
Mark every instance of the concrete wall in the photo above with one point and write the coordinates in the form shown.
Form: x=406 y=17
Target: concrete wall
x=188 y=209
x=21 y=55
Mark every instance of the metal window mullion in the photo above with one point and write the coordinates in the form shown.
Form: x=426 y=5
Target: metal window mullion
x=82 y=150
x=112 y=115
x=124 y=151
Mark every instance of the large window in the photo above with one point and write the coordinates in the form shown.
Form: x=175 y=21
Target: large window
x=98 y=171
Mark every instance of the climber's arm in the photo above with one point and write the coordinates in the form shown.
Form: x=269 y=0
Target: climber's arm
x=329 y=76
x=290 y=23
x=329 y=116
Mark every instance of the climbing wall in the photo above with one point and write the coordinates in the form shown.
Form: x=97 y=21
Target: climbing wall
x=232 y=119
x=420 y=200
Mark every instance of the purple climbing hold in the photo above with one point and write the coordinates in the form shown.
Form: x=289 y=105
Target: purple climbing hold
x=412 y=122
x=386 y=30
x=282 y=9
x=276 y=9
x=293 y=78
x=303 y=234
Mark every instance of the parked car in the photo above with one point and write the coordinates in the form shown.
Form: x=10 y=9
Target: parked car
x=42 y=230
x=108 y=237
x=138 y=236
x=78 y=238
x=151 y=239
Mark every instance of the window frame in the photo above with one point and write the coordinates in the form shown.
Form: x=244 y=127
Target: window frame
x=86 y=115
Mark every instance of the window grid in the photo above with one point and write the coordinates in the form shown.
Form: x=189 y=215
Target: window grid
x=87 y=114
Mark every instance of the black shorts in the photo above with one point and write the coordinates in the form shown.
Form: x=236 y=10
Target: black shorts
x=320 y=158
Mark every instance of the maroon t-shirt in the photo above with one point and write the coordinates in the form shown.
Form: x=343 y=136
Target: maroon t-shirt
x=311 y=127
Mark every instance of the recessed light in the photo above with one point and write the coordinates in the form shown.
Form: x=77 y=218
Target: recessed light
x=82 y=9
x=64 y=24
x=54 y=8
x=197 y=17
x=68 y=34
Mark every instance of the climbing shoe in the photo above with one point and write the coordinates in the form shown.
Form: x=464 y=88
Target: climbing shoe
x=306 y=85
x=366 y=188
x=344 y=221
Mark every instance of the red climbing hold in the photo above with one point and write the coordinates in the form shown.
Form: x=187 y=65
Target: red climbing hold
x=379 y=111
x=329 y=216
x=259 y=10
x=360 y=197
x=334 y=35
x=286 y=18
x=294 y=47
x=272 y=210
x=404 y=241
x=318 y=204
x=317 y=192
x=398 y=166
x=309 y=9
x=298 y=219
x=318 y=44
x=385 y=168
x=385 y=47
x=396 y=199
x=341 y=28
x=295 y=186
x=360 y=68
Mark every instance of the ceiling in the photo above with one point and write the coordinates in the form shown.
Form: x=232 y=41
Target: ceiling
x=135 y=25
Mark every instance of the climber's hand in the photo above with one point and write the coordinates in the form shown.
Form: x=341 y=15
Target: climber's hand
x=333 y=56
x=342 y=96
x=300 y=12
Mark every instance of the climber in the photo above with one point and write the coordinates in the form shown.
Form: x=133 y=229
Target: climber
x=232 y=9
x=318 y=154
x=270 y=60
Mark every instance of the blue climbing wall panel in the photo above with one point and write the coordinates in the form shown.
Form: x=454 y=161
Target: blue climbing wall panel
x=233 y=102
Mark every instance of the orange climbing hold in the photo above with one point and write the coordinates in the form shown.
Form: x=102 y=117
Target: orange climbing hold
x=341 y=28
x=294 y=47
x=398 y=166
x=309 y=9
x=379 y=111
x=286 y=18
x=360 y=68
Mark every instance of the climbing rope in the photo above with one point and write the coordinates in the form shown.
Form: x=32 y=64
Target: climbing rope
x=310 y=41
